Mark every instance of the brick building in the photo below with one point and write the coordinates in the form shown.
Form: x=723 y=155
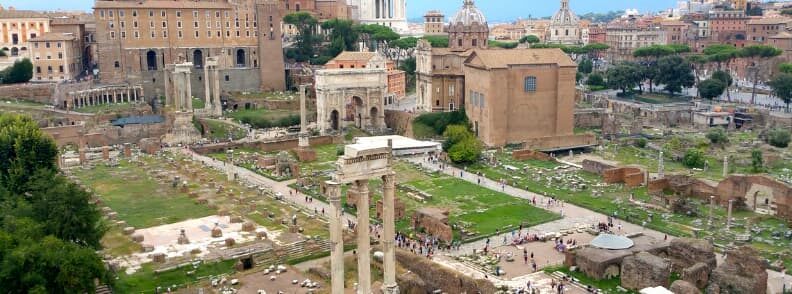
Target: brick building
x=728 y=27
x=138 y=38
x=434 y=23
x=759 y=30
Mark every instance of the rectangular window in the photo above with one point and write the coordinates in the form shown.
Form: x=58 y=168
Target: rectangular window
x=164 y=24
x=134 y=13
x=153 y=34
x=217 y=14
x=151 y=24
x=530 y=84
x=180 y=34
x=195 y=24
x=162 y=13
x=195 y=13
x=151 y=13
x=123 y=35
x=47 y=45
x=178 y=13
x=122 y=24
x=60 y=68
x=196 y=34
x=60 y=55
x=179 y=24
x=137 y=35
x=120 y=13
x=101 y=13
x=60 y=44
x=165 y=34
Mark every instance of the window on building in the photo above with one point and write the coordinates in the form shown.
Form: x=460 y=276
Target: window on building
x=475 y=42
x=195 y=13
x=60 y=55
x=151 y=24
x=151 y=13
x=227 y=78
x=101 y=13
x=530 y=84
x=195 y=24
x=38 y=69
x=179 y=24
x=134 y=24
x=196 y=34
x=178 y=13
x=153 y=34
x=120 y=13
x=165 y=34
x=162 y=13
x=164 y=24
x=137 y=35
x=112 y=35
x=217 y=14
x=459 y=42
x=60 y=68
x=117 y=64
x=451 y=90
x=49 y=69
x=134 y=13
x=180 y=34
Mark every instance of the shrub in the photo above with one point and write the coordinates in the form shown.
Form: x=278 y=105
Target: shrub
x=778 y=138
x=466 y=151
x=596 y=80
x=694 y=158
x=718 y=136
x=438 y=121
x=640 y=142
x=757 y=161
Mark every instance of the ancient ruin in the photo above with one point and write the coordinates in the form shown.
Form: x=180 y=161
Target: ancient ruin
x=179 y=98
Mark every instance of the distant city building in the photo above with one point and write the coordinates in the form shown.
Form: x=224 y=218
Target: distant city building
x=468 y=29
x=564 y=26
x=676 y=32
x=625 y=35
x=391 y=13
x=434 y=23
x=138 y=38
x=57 y=57
x=17 y=27
x=759 y=30
x=728 y=27
x=509 y=32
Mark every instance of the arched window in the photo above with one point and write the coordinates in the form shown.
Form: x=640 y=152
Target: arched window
x=240 y=58
x=151 y=60
x=198 y=58
x=530 y=84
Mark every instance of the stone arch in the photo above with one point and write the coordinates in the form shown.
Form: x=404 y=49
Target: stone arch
x=334 y=123
x=14 y=51
x=198 y=59
x=612 y=271
x=373 y=115
x=241 y=58
x=151 y=60
x=346 y=97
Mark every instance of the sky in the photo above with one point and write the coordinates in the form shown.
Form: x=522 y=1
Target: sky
x=495 y=10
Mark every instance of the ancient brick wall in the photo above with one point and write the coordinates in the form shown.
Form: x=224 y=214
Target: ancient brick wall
x=560 y=142
x=440 y=277
x=595 y=166
x=531 y=154
x=39 y=93
x=739 y=186
x=400 y=122
x=630 y=176
x=590 y=118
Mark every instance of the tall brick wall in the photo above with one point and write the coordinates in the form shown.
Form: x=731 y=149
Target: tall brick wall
x=400 y=122
x=39 y=93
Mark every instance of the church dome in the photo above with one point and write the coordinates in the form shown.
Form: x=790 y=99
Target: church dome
x=468 y=15
x=564 y=16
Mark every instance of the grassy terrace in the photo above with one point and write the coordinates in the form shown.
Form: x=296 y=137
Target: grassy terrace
x=122 y=188
x=472 y=207
x=146 y=280
x=615 y=199
x=223 y=130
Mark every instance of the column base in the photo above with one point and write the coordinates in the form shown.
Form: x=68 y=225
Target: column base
x=390 y=289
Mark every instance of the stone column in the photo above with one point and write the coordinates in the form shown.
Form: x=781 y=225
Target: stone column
x=388 y=217
x=188 y=90
x=729 y=215
x=363 y=239
x=303 y=137
x=660 y=166
x=207 y=92
x=336 y=239
x=711 y=207
x=216 y=103
x=135 y=94
x=725 y=166
x=168 y=94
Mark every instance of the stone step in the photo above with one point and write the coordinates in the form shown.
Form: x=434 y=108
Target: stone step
x=560 y=276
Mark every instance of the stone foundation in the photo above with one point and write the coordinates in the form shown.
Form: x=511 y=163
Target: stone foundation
x=644 y=270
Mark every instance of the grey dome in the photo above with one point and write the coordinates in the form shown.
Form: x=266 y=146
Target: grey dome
x=564 y=16
x=468 y=15
x=612 y=242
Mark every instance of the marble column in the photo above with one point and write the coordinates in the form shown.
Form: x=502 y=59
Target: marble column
x=134 y=94
x=168 y=94
x=729 y=214
x=388 y=247
x=725 y=166
x=207 y=89
x=660 y=167
x=711 y=207
x=216 y=103
x=363 y=238
x=303 y=137
x=188 y=91
x=336 y=238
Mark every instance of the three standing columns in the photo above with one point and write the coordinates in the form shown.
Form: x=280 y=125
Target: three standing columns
x=363 y=236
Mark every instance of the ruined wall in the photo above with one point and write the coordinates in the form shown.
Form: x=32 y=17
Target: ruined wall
x=644 y=270
x=683 y=185
x=39 y=93
x=283 y=144
x=590 y=118
x=596 y=167
x=743 y=272
x=567 y=141
x=630 y=176
x=440 y=277
x=738 y=186
x=400 y=122
x=531 y=154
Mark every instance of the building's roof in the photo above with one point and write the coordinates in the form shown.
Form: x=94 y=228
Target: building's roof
x=138 y=120
x=673 y=23
x=188 y=4
x=782 y=35
x=503 y=58
x=434 y=13
x=13 y=13
x=469 y=15
x=612 y=242
x=564 y=16
x=54 y=37
x=354 y=56
x=769 y=21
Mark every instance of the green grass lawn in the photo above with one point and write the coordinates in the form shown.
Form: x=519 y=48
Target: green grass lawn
x=139 y=199
x=145 y=280
x=223 y=130
x=607 y=286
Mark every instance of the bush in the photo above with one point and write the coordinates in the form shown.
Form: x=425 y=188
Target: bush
x=20 y=72
x=778 y=138
x=263 y=123
x=596 y=80
x=694 y=158
x=717 y=136
x=438 y=121
x=757 y=161
x=455 y=134
x=466 y=151
x=641 y=142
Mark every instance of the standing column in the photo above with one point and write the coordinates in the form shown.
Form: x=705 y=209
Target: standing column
x=303 y=137
x=207 y=92
x=218 y=106
x=128 y=94
x=388 y=208
x=336 y=239
x=363 y=239
x=725 y=166
x=135 y=94
x=188 y=90
x=660 y=167
x=168 y=94
x=142 y=97
x=729 y=215
x=711 y=207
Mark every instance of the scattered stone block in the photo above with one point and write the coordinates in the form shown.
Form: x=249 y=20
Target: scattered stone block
x=158 y=257
x=138 y=238
x=129 y=230
x=644 y=270
x=217 y=232
x=235 y=219
x=230 y=242
x=147 y=248
x=261 y=234
x=112 y=215
x=684 y=287
x=248 y=227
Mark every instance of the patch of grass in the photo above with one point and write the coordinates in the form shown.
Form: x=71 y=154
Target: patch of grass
x=105 y=108
x=422 y=131
x=607 y=285
x=139 y=199
x=118 y=244
x=222 y=130
x=146 y=280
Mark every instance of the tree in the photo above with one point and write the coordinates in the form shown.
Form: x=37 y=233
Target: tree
x=404 y=47
x=720 y=54
x=437 y=41
x=586 y=66
x=409 y=67
x=696 y=61
x=20 y=72
x=594 y=49
x=24 y=150
x=504 y=45
x=624 y=77
x=778 y=138
x=466 y=151
x=710 y=89
x=785 y=67
x=306 y=40
x=717 y=136
x=757 y=54
x=530 y=39
x=375 y=36
x=455 y=134
x=726 y=79
x=757 y=161
x=694 y=158
x=782 y=87
x=595 y=80
x=650 y=56
x=674 y=73
x=343 y=36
